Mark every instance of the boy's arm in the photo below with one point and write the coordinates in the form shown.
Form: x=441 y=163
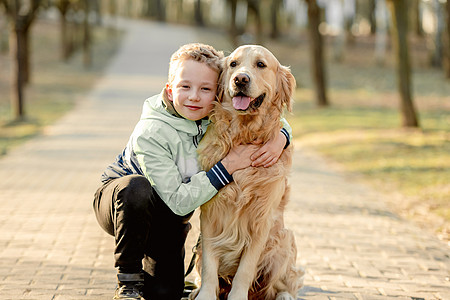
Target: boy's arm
x=156 y=161
x=269 y=153
x=287 y=131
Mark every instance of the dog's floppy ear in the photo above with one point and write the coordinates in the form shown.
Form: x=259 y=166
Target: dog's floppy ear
x=286 y=86
x=221 y=80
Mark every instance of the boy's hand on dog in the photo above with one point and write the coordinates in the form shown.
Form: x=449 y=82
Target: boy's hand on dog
x=239 y=157
x=255 y=155
x=269 y=153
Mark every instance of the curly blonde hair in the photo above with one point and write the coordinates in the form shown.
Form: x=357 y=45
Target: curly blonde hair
x=197 y=52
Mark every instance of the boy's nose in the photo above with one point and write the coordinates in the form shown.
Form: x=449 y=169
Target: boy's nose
x=194 y=95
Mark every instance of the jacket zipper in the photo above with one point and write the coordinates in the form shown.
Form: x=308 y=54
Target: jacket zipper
x=200 y=132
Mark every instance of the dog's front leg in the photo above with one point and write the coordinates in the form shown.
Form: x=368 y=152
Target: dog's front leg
x=246 y=271
x=210 y=278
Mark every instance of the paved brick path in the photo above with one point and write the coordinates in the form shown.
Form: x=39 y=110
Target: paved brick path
x=51 y=247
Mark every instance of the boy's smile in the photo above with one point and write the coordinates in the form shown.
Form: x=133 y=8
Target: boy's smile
x=191 y=107
x=193 y=89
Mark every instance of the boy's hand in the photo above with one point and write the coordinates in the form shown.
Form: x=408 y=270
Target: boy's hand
x=239 y=157
x=269 y=153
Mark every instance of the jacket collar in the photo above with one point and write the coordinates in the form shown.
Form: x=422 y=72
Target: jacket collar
x=168 y=105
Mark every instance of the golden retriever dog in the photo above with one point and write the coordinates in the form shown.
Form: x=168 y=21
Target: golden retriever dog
x=246 y=251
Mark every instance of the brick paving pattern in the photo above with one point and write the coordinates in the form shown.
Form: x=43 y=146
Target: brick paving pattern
x=51 y=247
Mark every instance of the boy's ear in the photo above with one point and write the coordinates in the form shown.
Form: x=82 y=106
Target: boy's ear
x=169 y=92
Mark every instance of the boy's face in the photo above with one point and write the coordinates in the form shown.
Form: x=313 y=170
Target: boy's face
x=193 y=89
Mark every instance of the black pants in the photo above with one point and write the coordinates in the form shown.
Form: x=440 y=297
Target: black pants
x=148 y=235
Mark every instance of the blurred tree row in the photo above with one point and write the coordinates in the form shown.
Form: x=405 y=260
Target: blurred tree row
x=21 y=15
x=251 y=21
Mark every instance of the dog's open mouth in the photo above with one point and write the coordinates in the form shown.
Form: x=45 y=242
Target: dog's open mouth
x=243 y=102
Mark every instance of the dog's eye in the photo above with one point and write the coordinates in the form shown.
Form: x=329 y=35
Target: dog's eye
x=233 y=64
x=260 y=64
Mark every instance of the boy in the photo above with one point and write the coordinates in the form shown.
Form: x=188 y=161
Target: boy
x=149 y=194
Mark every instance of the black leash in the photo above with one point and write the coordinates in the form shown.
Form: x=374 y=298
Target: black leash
x=194 y=256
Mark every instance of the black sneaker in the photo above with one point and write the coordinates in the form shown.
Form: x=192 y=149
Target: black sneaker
x=130 y=286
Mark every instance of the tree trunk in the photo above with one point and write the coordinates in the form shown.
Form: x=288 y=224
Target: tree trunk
x=372 y=17
x=20 y=25
x=316 y=45
x=399 y=9
x=447 y=44
x=436 y=55
x=156 y=8
x=198 y=15
x=233 y=27
x=87 y=55
x=26 y=55
x=63 y=7
x=17 y=55
x=274 y=16
x=65 y=44
x=128 y=10
x=334 y=16
x=254 y=5
x=179 y=10
x=349 y=17
x=27 y=19
x=415 y=18
x=381 y=36
x=112 y=10
x=161 y=10
x=4 y=44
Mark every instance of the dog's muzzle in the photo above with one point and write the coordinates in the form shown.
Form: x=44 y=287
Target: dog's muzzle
x=241 y=100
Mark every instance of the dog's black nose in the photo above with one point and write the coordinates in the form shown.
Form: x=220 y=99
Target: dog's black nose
x=241 y=80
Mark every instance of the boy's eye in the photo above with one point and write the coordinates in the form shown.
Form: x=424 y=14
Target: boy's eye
x=233 y=64
x=260 y=64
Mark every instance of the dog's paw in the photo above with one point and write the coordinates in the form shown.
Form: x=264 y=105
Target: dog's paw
x=237 y=296
x=202 y=295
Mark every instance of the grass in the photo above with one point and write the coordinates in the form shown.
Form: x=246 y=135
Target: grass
x=55 y=87
x=368 y=141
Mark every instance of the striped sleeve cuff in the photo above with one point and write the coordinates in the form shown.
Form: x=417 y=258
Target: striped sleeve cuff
x=219 y=176
x=286 y=134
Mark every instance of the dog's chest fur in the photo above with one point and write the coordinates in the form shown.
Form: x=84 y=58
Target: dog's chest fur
x=245 y=204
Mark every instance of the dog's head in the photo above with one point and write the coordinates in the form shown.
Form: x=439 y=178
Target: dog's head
x=254 y=80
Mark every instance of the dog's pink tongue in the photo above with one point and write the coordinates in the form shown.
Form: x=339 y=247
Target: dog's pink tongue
x=241 y=102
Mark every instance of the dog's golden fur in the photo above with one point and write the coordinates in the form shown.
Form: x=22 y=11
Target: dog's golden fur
x=246 y=250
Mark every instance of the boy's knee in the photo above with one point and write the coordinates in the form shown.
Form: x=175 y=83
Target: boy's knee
x=134 y=193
